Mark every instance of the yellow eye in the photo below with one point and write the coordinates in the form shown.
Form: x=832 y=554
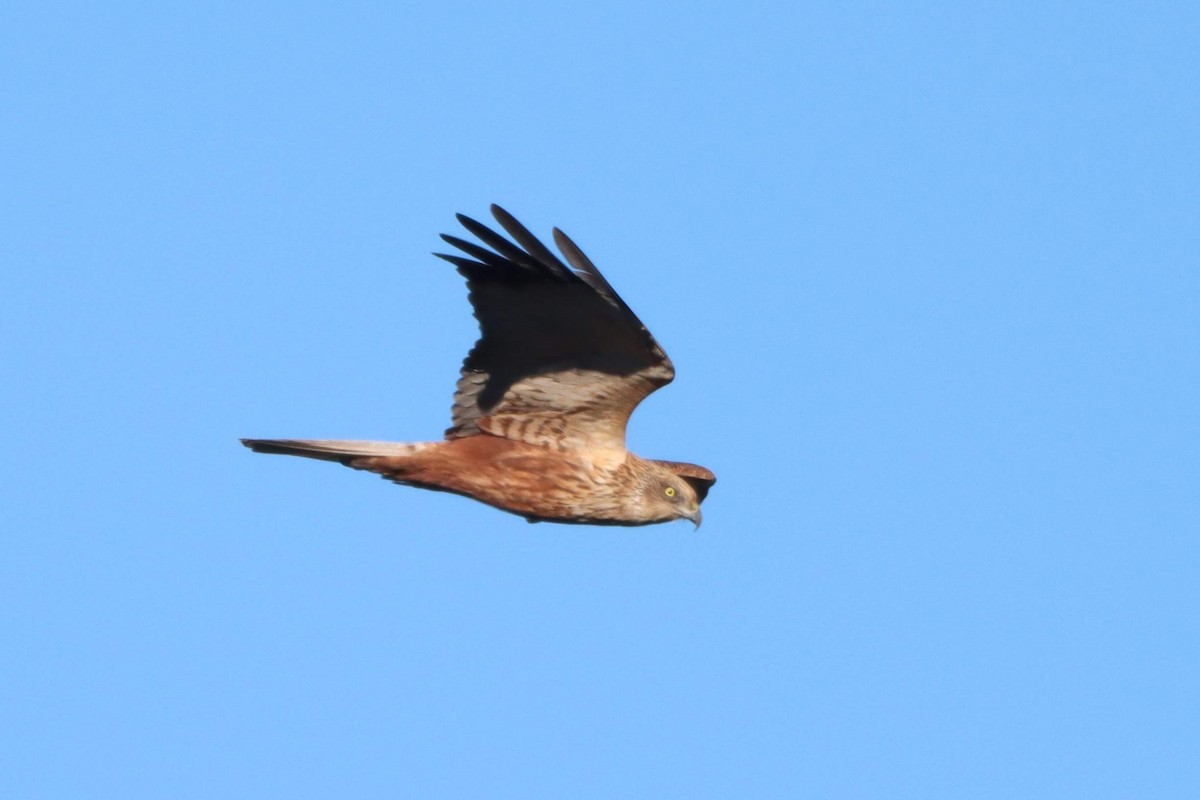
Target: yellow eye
x=669 y=491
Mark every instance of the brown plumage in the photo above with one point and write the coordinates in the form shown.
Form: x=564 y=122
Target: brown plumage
x=539 y=416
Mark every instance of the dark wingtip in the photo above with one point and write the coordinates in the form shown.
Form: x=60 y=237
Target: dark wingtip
x=542 y=255
x=472 y=268
x=504 y=218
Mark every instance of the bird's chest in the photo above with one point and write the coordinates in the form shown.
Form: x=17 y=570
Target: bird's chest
x=550 y=484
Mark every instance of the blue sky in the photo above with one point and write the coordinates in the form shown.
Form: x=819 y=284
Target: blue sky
x=929 y=275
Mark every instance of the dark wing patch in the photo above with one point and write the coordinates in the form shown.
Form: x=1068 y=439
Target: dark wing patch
x=561 y=358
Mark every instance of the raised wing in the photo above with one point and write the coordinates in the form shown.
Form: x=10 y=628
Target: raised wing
x=561 y=360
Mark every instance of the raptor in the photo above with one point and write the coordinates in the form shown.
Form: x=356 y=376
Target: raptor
x=543 y=398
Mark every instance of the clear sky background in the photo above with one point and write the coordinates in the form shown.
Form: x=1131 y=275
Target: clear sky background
x=930 y=274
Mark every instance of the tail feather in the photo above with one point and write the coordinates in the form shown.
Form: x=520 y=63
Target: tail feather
x=341 y=451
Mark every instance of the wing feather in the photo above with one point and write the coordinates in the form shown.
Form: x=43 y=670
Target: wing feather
x=532 y=244
x=585 y=268
x=497 y=242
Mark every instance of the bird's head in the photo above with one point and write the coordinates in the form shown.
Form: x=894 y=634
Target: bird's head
x=675 y=490
x=668 y=496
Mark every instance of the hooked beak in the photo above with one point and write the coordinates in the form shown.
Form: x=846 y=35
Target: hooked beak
x=695 y=518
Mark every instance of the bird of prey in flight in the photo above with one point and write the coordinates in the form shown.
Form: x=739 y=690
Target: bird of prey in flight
x=542 y=402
